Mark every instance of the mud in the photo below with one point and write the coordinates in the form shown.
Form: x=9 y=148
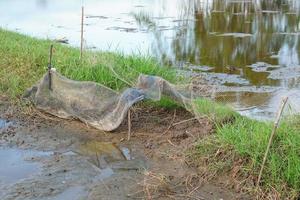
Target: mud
x=45 y=158
x=285 y=73
x=234 y=78
x=262 y=67
x=199 y=68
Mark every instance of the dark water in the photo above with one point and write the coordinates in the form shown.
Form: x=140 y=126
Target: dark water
x=239 y=42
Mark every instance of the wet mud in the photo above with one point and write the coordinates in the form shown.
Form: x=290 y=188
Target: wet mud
x=42 y=157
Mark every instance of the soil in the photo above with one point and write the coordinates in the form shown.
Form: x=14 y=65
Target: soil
x=43 y=157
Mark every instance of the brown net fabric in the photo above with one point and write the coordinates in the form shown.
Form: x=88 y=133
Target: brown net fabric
x=96 y=104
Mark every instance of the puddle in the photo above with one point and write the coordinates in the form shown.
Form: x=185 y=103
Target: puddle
x=103 y=153
x=126 y=152
x=109 y=157
x=106 y=149
x=16 y=164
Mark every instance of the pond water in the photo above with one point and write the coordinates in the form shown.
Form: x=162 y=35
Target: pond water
x=239 y=43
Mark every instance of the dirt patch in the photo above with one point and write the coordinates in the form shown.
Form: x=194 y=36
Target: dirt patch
x=99 y=165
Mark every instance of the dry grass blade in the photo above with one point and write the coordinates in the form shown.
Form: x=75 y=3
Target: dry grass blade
x=171 y=124
x=184 y=121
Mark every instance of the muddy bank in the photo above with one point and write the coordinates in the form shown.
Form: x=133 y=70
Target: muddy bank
x=46 y=158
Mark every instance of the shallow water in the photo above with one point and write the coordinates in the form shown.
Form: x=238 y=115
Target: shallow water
x=101 y=153
x=109 y=157
x=256 y=43
x=22 y=167
x=17 y=164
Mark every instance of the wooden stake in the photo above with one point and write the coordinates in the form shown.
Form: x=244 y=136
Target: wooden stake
x=81 y=38
x=50 y=65
x=276 y=123
x=129 y=125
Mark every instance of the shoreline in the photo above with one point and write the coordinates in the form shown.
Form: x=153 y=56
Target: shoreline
x=235 y=149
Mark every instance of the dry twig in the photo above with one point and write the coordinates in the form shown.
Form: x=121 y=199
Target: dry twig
x=129 y=125
x=184 y=121
x=171 y=124
x=276 y=123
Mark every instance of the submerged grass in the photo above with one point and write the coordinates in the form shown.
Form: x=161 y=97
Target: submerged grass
x=239 y=145
x=23 y=61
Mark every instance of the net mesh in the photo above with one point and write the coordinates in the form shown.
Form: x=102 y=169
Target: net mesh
x=96 y=104
x=105 y=109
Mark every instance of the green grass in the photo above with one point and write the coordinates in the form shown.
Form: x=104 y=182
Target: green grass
x=23 y=61
x=216 y=112
x=241 y=143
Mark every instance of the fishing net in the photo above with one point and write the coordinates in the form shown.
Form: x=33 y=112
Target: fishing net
x=96 y=104
x=105 y=109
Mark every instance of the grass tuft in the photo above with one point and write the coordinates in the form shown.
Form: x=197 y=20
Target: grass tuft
x=217 y=113
x=238 y=147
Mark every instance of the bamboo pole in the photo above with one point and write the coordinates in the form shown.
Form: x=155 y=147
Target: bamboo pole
x=81 y=37
x=276 y=124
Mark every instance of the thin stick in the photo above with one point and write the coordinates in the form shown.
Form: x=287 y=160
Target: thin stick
x=184 y=121
x=81 y=39
x=171 y=143
x=97 y=159
x=276 y=123
x=50 y=65
x=171 y=124
x=129 y=125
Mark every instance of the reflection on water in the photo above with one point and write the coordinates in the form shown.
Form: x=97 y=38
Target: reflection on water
x=253 y=40
x=101 y=153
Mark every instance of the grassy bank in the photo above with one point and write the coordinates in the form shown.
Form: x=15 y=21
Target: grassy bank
x=238 y=146
x=23 y=61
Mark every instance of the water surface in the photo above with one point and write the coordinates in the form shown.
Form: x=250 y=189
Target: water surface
x=17 y=164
